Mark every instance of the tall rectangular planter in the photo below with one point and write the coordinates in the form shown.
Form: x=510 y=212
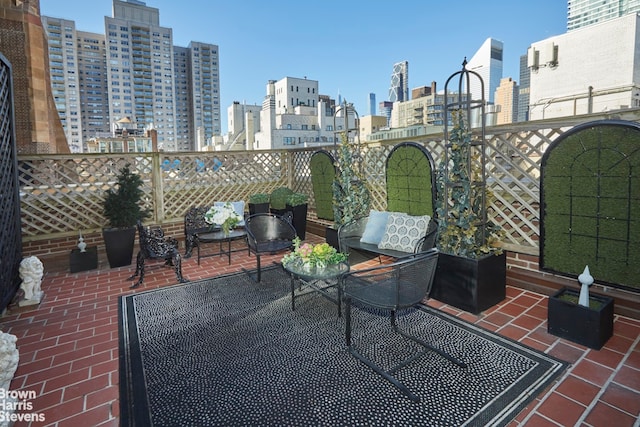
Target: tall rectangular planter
x=473 y=285
x=331 y=236
x=583 y=325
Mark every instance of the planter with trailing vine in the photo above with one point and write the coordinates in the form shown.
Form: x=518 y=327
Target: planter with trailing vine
x=471 y=271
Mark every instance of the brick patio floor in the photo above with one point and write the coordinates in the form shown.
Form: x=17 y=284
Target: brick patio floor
x=69 y=349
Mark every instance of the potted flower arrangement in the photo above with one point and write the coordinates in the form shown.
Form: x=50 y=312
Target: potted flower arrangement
x=223 y=216
x=312 y=257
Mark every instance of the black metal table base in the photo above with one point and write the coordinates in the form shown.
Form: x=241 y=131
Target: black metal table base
x=220 y=238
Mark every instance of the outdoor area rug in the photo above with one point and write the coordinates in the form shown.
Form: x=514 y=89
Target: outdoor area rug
x=229 y=351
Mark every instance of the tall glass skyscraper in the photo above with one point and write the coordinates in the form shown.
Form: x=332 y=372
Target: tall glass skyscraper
x=399 y=89
x=487 y=62
x=583 y=13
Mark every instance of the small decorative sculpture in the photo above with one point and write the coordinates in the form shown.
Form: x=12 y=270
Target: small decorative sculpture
x=8 y=359
x=585 y=280
x=31 y=272
x=81 y=243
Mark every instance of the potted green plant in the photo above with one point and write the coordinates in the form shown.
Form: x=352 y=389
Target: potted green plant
x=471 y=272
x=258 y=203
x=122 y=209
x=278 y=200
x=297 y=203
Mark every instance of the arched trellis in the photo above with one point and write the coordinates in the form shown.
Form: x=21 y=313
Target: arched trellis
x=590 y=203
x=323 y=172
x=410 y=180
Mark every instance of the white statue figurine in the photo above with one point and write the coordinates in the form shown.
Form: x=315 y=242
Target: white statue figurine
x=8 y=359
x=31 y=272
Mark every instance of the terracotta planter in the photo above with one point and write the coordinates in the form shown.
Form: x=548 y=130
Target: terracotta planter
x=583 y=325
x=469 y=284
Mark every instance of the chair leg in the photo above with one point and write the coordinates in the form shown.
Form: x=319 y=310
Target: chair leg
x=257 y=277
x=189 y=242
x=403 y=388
x=388 y=375
x=432 y=348
x=139 y=269
x=176 y=260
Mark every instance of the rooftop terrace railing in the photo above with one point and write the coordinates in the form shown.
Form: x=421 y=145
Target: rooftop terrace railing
x=63 y=194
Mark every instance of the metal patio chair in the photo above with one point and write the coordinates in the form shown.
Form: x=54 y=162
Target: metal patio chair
x=154 y=245
x=392 y=287
x=268 y=234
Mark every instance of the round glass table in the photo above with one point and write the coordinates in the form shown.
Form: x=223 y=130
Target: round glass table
x=315 y=279
x=220 y=237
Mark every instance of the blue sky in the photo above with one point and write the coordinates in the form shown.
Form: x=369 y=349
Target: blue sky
x=348 y=46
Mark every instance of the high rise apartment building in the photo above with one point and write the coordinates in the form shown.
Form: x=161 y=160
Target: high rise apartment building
x=65 y=77
x=523 y=90
x=506 y=97
x=156 y=85
x=582 y=13
x=294 y=115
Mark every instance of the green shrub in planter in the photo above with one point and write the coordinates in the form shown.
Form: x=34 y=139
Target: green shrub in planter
x=259 y=198
x=279 y=197
x=297 y=199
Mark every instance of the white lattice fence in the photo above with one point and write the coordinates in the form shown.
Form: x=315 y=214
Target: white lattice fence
x=61 y=194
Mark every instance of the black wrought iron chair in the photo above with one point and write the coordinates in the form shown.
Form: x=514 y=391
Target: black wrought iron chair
x=154 y=245
x=194 y=223
x=268 y=234
x=389 y=288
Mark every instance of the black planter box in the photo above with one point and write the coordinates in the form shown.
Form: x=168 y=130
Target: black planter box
x=582 y=325
x=331 y=236
x=119 y=244
x=83 y=261
x=299 y=219
x=470 y=284
x=255 y=208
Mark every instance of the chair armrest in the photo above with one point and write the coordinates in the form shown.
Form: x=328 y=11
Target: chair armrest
x=351 y=229
x=429 y=240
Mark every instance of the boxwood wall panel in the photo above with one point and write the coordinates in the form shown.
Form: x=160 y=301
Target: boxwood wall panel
x=591 y=203
x=410 y=180
x=323 y=172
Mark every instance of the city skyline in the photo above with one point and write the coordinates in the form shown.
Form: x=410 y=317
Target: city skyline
x=347 y=60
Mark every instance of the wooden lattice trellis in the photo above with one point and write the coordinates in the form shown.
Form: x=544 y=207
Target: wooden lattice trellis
x=61 y=194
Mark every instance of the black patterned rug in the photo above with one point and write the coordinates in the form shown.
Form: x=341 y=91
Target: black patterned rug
x=230 y=352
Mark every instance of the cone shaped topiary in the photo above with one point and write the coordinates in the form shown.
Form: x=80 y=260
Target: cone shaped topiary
x=122 y=207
